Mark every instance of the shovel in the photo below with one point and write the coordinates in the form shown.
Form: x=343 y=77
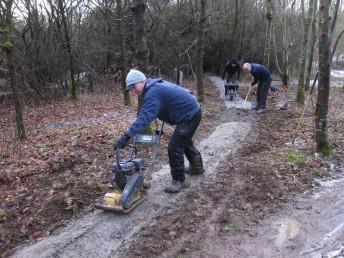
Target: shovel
x=248 y=93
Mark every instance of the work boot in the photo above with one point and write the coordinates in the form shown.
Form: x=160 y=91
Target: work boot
x=196 y=166
x=176 y=186
x=261 y=110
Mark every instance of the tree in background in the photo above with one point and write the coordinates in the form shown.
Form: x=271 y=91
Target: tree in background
x=200 y=51
x=282 y=41
x=311 y=47
x=268 y=32
x=156 y=34
x=321 y=121
x=61 y=5
x=242 y=43
x=124 y=62
x=6 y=28
x=140 y=42
x=300 y=97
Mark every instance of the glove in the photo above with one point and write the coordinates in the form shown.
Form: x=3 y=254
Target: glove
x=122 y=141
x=157 y=132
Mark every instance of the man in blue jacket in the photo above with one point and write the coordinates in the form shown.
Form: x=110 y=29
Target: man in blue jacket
x=175 y=105
x=263 y=77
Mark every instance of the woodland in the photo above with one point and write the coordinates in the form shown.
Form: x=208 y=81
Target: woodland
x=63 y=65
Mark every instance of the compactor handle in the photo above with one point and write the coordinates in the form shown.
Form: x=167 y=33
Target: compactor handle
x=117 y=155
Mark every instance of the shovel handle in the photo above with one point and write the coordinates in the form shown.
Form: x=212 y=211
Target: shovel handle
x=248 y=93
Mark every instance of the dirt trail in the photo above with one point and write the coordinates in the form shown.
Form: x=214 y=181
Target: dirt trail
x=225 y=213
x=242 y=213
x=100 y=234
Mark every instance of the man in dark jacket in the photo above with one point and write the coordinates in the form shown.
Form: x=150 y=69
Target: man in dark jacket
x=262 y=76
x=175 y=105
x=232 y=74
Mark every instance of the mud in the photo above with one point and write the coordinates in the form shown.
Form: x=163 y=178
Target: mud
x=238 y=102
x=250 y=209
x=239 y=208
x=309 y=226
x=99 y=234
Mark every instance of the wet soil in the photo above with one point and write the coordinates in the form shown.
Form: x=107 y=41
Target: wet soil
x=63 y=167
x=252 y=176
x=250 y=209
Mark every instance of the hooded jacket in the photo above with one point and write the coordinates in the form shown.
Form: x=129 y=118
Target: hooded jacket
x=169 y=102
x=231 y=68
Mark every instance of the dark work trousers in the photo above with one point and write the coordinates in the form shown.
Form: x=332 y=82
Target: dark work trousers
x=180 y=143
x=262 y=93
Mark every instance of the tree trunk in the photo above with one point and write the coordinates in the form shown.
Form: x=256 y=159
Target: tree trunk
x=236 y=20
x=200 y=52
x=242 y=43
x=176 y=71
x=73 y=90
x=300 y=97
x=124 y=63
x=282 y=59
x=335 y=14
x=235 y=30
x=141 y=49
x=107 y=34
x=8 y=46
x=283 y=73
x=311 y=47
x=268 y=33
x=286 y=49
x=321 y=122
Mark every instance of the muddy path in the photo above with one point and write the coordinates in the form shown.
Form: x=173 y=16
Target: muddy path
x=248 y=203
x=254 y=206
x=101 y=234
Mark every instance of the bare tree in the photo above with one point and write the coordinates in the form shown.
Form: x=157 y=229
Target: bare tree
x=336 y=9
x=311 y=47
x=268 y=32
x=300 y=96
x=242 y=43
x=283 y=39
x=141 y=49
x=321 y=122
x=313 y=40
x=124 y=63
x=6 y=24
x=200 y=51
x=62 y=10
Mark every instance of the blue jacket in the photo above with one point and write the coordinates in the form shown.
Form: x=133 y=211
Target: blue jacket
x=169 y=102
x=260 y=73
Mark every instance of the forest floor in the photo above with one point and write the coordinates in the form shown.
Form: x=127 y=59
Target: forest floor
x=57 y=174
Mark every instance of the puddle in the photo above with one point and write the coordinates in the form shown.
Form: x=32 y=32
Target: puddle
x=238 y=102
